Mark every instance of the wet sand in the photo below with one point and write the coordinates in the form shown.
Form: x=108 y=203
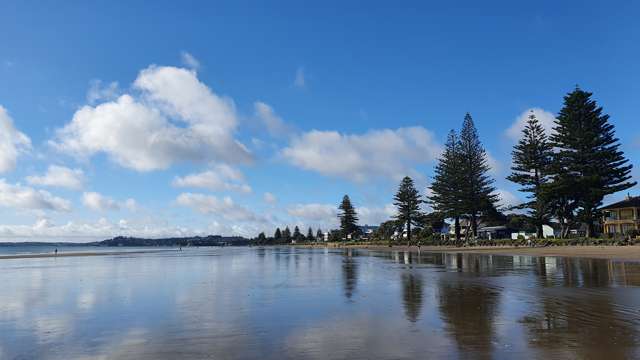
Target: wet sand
x=598 y=252
x=73 y=254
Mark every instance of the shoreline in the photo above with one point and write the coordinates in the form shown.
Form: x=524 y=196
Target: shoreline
x=75 y=254
x=627 y=253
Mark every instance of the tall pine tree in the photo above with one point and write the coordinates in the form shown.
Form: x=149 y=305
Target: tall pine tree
x=477 y=190
x=310 y=234
x=407 y=200
x=348 y=218
x=446 y=186
x=277 y=236
x=588 y=152
x=531 y=167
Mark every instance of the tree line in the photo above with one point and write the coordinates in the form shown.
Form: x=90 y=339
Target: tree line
x=566 y=175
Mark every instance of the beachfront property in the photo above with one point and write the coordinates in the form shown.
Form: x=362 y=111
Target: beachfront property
x=622 y=217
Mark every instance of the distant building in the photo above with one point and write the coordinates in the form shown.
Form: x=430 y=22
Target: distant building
x=623 y=216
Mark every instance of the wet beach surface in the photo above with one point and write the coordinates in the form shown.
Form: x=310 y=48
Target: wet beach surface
x=299 y=303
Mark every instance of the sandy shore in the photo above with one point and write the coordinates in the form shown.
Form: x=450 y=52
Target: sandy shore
x=600 y=252
x=75 y=254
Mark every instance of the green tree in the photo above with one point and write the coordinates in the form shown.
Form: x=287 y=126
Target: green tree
x=531 y=168
x=297 y=235
x=477 y=190
x=286 y=235
x=588 y=156
x=310 y=234
x=277 y=236
x=446 y=188
x=319 y=235
x=262 y=239
x=348 y=218
x=407 y=200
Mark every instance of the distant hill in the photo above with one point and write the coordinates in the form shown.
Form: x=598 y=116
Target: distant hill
x=211 y=240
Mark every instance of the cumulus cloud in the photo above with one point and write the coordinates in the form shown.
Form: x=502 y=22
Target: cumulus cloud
x=91 y=231
x=224 y=208
x=98 y=202
x=189 y=60
x=299 y=81
x=269 y=198
x=175 y=118
x=546 y=119
x=376 y=215
x=59 y=176
x=221 y=178
x=377 y=153
x=327 y=214
x=101 y=92
x=271 y=121
x=507 y=198
x=321 y=213
x=12 y=142
x=26 y=198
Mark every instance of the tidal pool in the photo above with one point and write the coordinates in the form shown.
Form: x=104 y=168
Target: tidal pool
x=295 y=303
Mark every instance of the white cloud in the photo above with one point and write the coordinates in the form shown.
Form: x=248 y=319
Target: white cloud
x=495 y=166
x=189 y=60
x=222 y=177
x=97 y=92
x=92 y=231
x=98 y=202
x=269 y=198
x=546 y=119
x=59 y=176
x=12 y=142
x=271 y=121
x=507 y=198
x=131 y=204
x=26 y=198
x=175 y=119
x=321 y=213
x=299 y=81
x=377 y=153
x=225 y=208
x=375 y=215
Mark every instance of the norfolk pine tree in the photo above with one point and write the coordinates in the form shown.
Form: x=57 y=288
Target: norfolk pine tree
x=531 y=167
x=348 y=218
x=407 y=200
x=446 y=185
x=588 y=152
x=477 y=186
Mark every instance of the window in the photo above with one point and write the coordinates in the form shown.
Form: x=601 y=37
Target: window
x=626 y=214
x=611 y=215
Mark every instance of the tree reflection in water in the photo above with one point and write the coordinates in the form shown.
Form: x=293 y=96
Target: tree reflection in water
x=349 y=273
x=412 y=293
x=593 y=322
x=469 y=311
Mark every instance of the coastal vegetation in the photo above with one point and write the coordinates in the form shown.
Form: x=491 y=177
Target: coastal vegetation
x=565 y=174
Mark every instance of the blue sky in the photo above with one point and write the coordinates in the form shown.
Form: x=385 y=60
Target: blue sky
x=178 y=119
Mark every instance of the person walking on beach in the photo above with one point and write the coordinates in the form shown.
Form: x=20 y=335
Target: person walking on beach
x=55 y=252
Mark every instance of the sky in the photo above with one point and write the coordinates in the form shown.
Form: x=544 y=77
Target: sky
x=195 y=118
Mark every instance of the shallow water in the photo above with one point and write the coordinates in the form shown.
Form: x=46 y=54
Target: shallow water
x=292 y=303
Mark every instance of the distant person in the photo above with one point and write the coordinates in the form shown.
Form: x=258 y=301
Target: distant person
x=55 y=252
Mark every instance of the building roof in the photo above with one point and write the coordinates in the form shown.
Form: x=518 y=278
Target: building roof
x=630 y=201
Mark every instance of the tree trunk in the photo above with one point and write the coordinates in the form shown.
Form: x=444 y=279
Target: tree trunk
x=474 y=225
x=539 y=232
x=457 y=229
x=408 y=233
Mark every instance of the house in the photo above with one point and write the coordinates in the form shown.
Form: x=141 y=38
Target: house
x=367 y=231
x=622 y=217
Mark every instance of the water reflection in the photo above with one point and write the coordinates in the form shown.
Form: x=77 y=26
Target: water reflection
x=267 y=303
x=469 y=312
x=412 y=293
x=349 y=273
